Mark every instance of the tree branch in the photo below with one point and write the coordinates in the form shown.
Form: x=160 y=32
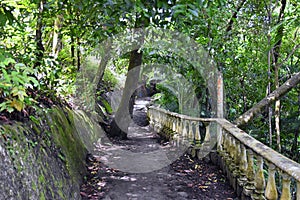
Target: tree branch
x=276 y=94
x=234 y=16
x=292 y=52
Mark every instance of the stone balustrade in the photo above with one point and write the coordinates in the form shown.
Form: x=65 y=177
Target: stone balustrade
x=254 y=170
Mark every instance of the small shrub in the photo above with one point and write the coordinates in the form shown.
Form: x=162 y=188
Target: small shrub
x=15 y=79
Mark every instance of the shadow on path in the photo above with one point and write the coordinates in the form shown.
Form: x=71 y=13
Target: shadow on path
x=182 y=179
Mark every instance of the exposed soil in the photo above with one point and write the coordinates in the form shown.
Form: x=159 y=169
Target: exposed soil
x=183 y=179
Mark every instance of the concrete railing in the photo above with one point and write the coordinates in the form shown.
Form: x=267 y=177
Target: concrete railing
x=255 y=171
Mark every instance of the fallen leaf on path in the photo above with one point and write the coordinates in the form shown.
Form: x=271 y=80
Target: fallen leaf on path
x=202 y=186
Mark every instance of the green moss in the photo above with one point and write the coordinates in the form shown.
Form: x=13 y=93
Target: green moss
x=52 y=193
x=60 y=189
x=36 y=129
x=33 y=186
x=73 y=151
x=42 y=196
x=30 y=145
x=41 y=179
x=19 y=168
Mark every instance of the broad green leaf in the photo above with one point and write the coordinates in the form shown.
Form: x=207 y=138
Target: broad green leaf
x=6 y=76
x=18 y=105
x=194 y=12
x=3 y=106
x=34 y=81
x=8 y=61
x=5 y=85
x=181 y=7
x=10 y=109
x=20 y=92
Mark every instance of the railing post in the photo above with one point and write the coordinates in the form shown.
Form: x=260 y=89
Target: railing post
x=259 y=179
x=286 y=191
x=197 y=132
x=178 y=125
x=237 y=151
x=235 y=162
x=243 y=163
x=174 y=123
x=229 y=157
x=231 y=151
x=226 y=153
x=184 y=131
x=242 y=180
x=191 y=135
x=207 y=137
x=271 y=190
x=249 y=188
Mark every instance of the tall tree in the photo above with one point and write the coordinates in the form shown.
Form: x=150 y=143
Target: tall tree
x=56 y=41
x=38 y=33
x=120 y=123
x=276 y=55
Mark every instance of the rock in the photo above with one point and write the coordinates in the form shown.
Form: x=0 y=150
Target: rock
x=183 y=194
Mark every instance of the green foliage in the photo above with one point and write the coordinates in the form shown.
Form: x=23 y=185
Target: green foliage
x=55 y=78
x=15 y=79
x=235 y=35
x=121 y=65
x=166 y=98
x=109 y=79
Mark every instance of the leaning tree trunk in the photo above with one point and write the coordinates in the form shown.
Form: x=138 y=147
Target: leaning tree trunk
x=275 y=95
x=120 y=123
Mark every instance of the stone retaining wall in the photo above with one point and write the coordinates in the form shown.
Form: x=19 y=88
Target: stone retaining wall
x=45 y=158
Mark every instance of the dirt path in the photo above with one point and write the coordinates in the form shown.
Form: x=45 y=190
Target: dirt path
x=183 y=179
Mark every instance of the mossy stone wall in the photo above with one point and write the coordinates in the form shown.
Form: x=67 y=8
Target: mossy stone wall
x=45 y=159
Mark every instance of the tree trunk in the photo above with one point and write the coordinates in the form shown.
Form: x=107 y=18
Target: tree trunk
x=78 y=53
x=266 y=101
x=73 y=49
x=276 y=54
x=277 y=113
x=270 y=111
x=38 y=34
x=105 y=53
x=275 y=95
x=120 y=123
x=57 y=43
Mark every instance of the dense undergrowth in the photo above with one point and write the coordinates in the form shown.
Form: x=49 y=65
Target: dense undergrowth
x=44 y=44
